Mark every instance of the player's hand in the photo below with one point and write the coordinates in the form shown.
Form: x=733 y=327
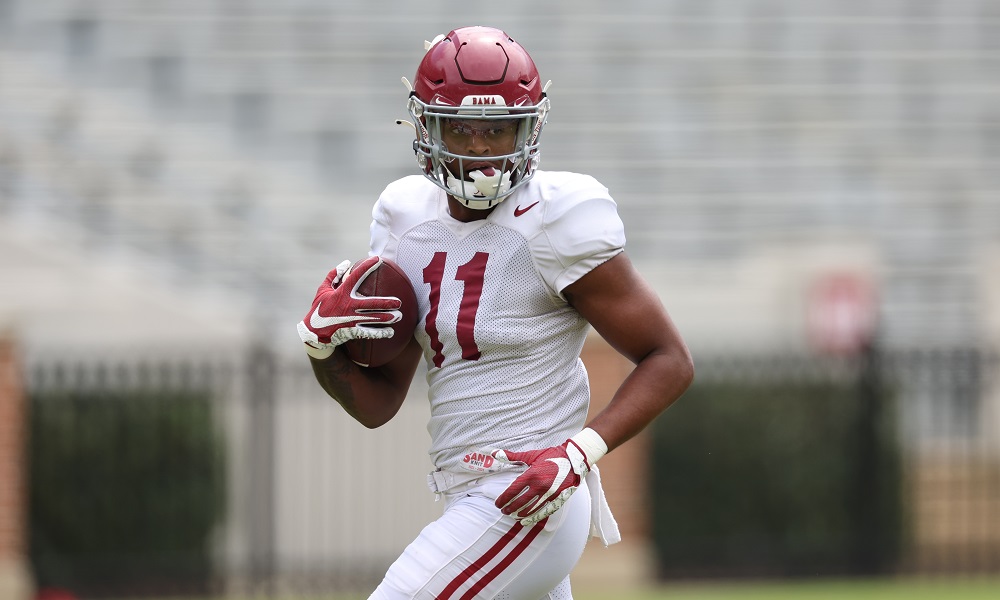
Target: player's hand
x=553 y=475
x=339 y=313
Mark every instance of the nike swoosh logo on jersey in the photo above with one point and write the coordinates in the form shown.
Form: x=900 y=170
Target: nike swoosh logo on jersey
x=319 y=322
x=520 y=211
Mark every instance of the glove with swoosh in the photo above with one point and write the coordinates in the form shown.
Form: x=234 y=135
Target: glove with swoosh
x=553 y=475
x=339 y=313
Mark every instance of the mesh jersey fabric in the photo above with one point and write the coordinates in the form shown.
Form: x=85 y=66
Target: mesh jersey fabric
x=501 y=343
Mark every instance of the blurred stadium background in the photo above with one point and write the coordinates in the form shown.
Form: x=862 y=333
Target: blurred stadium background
x=813 y=186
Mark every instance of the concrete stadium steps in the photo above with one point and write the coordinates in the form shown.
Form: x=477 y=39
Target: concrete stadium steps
x=181 y=197
x=720 y=127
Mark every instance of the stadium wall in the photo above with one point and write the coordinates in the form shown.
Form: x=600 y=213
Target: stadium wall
x=15 y=582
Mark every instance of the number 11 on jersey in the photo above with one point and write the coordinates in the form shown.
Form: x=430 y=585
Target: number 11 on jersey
x=471 y=274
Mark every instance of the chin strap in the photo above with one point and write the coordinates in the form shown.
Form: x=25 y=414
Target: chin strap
x=488 y=190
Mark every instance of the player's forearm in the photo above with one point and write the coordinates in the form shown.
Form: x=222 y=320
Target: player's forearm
x=657 y=381
x=368 y=395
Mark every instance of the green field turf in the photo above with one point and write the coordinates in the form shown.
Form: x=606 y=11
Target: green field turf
x=902 y=589
x=882 y=589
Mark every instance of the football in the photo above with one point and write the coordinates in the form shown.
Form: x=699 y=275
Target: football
x=388 y=280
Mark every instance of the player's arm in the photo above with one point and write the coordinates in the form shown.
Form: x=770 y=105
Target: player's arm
x=627 y=313
x=339 y=314
x=622 y=307
x=372 y=395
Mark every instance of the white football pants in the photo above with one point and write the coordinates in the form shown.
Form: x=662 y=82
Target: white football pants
x=475 y=551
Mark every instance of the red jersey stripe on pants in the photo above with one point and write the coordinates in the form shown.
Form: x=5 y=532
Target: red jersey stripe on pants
x=473 y=551
x=475 y=570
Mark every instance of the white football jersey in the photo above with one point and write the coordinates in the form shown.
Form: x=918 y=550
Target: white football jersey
x=501 y=343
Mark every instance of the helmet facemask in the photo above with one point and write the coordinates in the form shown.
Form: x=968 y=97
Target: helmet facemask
x=480 y=188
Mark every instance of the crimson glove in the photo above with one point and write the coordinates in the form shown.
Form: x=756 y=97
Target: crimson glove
x=339 y=313
x=553 y=475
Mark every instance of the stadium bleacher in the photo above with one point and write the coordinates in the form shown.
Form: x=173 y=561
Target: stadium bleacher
x=241 y=143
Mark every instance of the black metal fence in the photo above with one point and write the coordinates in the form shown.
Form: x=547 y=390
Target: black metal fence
x=190 y=476
x=888 y=462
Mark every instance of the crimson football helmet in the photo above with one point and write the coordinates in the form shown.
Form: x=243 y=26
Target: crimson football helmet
x=472 y=78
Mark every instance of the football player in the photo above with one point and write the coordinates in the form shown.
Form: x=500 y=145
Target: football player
x=512 y=266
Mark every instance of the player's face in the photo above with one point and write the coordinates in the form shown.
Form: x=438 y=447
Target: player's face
x=478 y=138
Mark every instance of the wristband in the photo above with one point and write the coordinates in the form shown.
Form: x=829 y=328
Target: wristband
x=319 y=353
x=592 y=445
